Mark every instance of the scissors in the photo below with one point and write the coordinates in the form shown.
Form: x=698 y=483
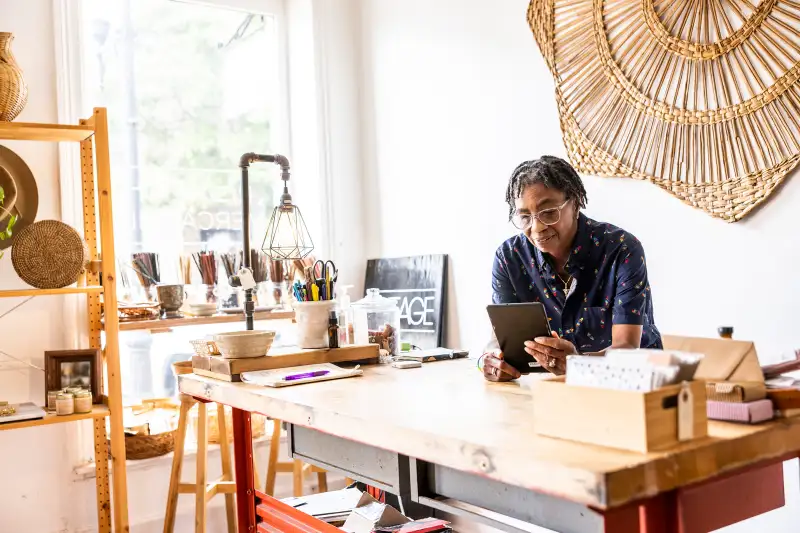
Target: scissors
x=328 y=273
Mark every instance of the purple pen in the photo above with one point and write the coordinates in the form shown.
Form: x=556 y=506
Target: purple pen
x=314 y=374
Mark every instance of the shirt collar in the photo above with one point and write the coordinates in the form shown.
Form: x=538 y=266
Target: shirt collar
x=580 y=249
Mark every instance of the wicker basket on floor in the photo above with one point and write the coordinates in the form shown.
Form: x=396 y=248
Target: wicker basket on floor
x=148 y=446
x=257 y=423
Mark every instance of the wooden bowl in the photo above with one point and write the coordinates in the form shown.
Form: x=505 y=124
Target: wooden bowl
x=181 y=367
x=244 y=344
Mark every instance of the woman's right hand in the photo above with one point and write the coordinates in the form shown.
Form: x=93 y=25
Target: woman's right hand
x=495 y=369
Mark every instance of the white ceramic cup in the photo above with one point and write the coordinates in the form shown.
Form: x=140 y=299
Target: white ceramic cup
x=312 y=323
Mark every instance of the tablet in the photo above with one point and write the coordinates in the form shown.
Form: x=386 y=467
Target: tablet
x=514 y=324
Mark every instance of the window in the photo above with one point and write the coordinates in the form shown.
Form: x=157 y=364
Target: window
x=189 y=88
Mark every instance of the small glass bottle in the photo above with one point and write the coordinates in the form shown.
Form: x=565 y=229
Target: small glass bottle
x=726 y=332
x=333 y=330
x=83 y=402
x=65 y=404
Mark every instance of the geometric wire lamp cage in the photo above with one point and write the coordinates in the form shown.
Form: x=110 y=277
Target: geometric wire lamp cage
x=700 y=98
x=287 y=236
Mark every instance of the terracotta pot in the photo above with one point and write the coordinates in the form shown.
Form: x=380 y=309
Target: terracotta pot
x=13 y=91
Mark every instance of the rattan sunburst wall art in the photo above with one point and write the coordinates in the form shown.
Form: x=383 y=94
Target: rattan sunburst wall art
x=700 y=97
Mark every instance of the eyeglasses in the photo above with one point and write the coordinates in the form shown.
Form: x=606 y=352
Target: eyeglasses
x=548 y=217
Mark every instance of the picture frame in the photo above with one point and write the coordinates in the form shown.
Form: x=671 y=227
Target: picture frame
x=419 y=286
x=74 y=368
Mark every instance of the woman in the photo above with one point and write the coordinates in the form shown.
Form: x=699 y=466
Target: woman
x=590 y=276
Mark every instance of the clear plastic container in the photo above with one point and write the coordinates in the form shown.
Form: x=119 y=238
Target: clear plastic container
x=376 y=320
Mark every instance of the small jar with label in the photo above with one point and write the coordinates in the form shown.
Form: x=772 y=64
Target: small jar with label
x=83 y=402
x=51 y=399
x=65 y=404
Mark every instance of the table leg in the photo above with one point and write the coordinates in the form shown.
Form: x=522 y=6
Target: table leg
x=243 y=461
x=227 y=475
x=622 y=520
x=659 y=514
x=200 y=510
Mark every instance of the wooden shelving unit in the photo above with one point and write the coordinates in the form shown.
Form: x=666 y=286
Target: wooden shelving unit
x=92 y=134
x=50 y=292
x=20 y=131
x=168 y=323
x=99 y=411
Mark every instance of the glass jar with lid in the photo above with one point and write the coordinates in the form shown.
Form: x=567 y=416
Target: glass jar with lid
x=83 y=401
x=376 y=320
x=65 y=404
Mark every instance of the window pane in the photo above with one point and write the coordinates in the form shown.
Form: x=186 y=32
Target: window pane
x=189 y=88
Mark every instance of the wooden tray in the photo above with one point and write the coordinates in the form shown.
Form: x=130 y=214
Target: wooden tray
x=231 y=369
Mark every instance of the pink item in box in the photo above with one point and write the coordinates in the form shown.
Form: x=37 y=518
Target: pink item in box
x=748 y=413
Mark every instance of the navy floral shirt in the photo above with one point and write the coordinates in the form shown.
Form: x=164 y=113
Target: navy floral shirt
x=610 y=285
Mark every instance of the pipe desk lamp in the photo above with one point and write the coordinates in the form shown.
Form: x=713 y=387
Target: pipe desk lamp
x=287 y=236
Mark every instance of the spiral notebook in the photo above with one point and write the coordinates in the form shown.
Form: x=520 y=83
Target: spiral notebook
x=277 y=377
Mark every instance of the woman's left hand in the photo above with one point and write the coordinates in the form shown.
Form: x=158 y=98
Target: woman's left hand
x=551 y=353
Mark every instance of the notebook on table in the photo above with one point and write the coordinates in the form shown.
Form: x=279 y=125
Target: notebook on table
x=278 y=377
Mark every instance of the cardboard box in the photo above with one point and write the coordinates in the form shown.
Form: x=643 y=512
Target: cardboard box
x=370 y=513
x=629 y=420
x=730 y=368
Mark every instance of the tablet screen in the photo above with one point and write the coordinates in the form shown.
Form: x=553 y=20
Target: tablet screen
x=513 y=325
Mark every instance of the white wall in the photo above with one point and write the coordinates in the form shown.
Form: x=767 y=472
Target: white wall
x=455 y=95
x=34 y=465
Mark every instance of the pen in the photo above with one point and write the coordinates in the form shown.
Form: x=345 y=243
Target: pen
x=315 y=374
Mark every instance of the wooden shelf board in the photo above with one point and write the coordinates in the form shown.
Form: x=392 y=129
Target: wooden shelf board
x=201 y=320
x=99 y=411
x=21 y=131
x=16 y=293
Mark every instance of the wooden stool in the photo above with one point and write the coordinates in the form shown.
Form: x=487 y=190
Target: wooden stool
x=202 y=490
x=296 y=467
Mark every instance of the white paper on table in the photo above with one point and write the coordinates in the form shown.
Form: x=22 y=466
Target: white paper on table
x=275 y=377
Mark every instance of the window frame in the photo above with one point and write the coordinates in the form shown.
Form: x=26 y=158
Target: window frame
x=71 y=105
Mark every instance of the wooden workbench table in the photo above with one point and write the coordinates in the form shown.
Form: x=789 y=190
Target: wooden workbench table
x=470 y=448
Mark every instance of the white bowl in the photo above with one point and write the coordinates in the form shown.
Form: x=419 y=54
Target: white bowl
x=244 y=344
x=201 y=309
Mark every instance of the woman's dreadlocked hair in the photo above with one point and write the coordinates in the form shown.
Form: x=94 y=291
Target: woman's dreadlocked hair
x=550 y=171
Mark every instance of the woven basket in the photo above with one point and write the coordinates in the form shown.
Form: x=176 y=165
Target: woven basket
x=257 y=424
x=147 y=446
x=133 y=312
x=139 y=447
x=13 y=90
x=49 y=254
x=203 y=347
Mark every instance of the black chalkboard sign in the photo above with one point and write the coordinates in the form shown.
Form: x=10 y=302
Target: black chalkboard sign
x=418 y=284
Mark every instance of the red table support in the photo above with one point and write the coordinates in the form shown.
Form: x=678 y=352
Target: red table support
x=243 y=457
x=716 y=503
